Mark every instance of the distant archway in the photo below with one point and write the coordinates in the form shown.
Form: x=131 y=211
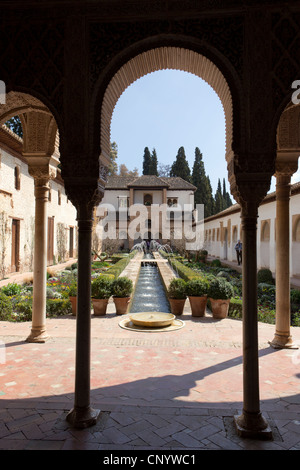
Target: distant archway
x=175 y=58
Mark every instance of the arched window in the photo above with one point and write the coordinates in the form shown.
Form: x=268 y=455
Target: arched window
x=147 y=199
x=296 y=230
x=265 y=231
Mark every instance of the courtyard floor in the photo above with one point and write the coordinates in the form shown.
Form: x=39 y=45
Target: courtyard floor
x=176 y=390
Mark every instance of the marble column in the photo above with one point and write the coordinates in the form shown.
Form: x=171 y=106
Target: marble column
x=250 y=423
x=282 y=338
x=41 y=175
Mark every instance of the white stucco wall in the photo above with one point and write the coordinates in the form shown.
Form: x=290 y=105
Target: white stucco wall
x=19 y=204
x=266 y=245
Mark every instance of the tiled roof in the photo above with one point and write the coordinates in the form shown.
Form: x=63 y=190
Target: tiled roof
x=126 y=182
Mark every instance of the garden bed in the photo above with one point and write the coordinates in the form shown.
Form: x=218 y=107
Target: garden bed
x=16 y=299
x=266 y=290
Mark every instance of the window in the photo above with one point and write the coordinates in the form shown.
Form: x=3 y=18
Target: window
x=59 y=197
x=17 y=178
x=147 y=199
x=123 y=201
x=172 y=202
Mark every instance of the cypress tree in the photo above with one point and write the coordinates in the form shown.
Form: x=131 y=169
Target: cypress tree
x=146 y=162
x=210 y=205
x=180 y=167
x=153 y=164
x=198 y=178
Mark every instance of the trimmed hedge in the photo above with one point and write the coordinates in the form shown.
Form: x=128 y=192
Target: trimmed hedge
x=183 y=271
x=120 y=265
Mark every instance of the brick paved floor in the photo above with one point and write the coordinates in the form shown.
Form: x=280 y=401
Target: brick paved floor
x=174 y=390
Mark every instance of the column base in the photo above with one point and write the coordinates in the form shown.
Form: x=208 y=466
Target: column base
x=82 y=418
x=253 y=426
x=37 y=336
x=283 y=342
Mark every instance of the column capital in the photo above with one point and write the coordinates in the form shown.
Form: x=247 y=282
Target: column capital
x=286 y=168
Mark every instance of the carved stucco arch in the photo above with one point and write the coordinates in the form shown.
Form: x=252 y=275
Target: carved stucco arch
x=288 y=140
x=162 y=58
x=43 y=135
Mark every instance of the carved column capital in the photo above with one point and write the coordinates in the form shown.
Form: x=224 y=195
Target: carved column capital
x=285 y=169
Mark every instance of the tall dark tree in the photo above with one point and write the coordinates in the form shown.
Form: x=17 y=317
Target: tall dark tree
x=210 y=205
x=146 y=162
x=153 y=164
x=219 y=201
x=180 y=167
x=198 y=178
x=226 y=195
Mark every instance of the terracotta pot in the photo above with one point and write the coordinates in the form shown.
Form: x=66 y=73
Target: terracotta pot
x=198 y=305
x=73 y=301
x=177 y=306
x=121 y=304
x=99 y=306
x=219 y=307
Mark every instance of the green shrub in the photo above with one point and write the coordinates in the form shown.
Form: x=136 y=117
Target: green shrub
x=265 y=276
x=122 y=287
x=56 y=307
x=117 y=268
x=72 y=289
x=220 y=289
x=183 y=271
x=197 y=287
x=102 y=287
x=224 y=274
x=295 y=296
x=266 y=294
x=177 y=289
x=5 y=306
x=235 y=308
x=24 y=308
x=216 y=263
x=11 y=289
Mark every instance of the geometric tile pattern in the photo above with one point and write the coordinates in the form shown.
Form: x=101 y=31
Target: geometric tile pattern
x=174 y=390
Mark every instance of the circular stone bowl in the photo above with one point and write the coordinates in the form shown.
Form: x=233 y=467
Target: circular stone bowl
x=152 y=319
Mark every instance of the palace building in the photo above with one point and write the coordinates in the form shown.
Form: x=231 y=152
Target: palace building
x=17 y=211
x=164 y=203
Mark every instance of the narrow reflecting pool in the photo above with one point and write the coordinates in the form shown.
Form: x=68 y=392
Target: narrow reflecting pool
x=149 y=295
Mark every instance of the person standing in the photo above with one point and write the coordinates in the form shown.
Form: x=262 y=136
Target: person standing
x=238 y=249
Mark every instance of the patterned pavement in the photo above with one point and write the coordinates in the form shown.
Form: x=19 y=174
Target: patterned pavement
x=169 y=391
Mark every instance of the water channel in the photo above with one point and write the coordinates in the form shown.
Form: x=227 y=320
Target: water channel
x=149 y=295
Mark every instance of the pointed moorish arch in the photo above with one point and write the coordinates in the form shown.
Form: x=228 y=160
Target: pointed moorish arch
x=162 y=58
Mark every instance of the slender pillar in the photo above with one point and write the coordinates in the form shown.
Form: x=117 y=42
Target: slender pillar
x=82 y=415
x=282 y=338
x=251 y=422
x=38 y=330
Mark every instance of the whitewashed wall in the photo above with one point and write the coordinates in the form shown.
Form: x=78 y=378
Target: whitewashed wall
x=20 y=205
x=220 y=242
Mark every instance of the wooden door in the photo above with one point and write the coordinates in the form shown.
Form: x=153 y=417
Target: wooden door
x=71 y=242
x=50 y=239
x=15 y=245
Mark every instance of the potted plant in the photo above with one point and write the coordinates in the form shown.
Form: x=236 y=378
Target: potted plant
x=220 y=292
x=101 y=289
x=122 y=288
x=177 y=295
x=196 y=290
x=73 y=296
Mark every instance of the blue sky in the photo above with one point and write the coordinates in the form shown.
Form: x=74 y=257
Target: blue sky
x=166 y=110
